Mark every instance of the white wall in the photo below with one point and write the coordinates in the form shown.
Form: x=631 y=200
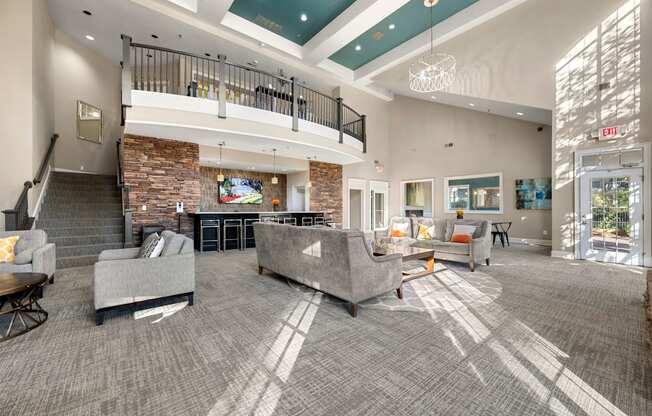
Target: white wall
x=26 y=90
x=297 y=200
x=82 y=74
x=581 y=109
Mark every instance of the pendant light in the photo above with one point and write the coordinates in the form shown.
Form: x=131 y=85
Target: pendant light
x=274 y=178
x=433 y=71
x=220 y=176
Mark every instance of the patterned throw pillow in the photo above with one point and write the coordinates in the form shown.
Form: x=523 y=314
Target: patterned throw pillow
x=149 y=245
x=424 y=232
x=400 y=229
x=7 y=246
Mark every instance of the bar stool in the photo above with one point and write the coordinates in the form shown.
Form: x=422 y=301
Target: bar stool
x=235 y=225
x=306 y=221
x=248 y=233
x=213 y=225
x=290 y=220
x=319 y=221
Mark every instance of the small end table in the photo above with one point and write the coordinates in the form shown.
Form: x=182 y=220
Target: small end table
x=19 y=293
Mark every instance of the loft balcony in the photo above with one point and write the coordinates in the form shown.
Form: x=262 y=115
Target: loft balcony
x=177 y=95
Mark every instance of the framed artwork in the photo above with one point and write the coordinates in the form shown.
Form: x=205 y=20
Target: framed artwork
x=534 y=193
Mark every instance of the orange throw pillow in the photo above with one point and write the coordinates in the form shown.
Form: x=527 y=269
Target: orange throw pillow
x=398 y=233
x=461 y=238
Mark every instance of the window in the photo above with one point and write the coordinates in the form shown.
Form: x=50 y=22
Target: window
x=474 y=194
x=416 y=197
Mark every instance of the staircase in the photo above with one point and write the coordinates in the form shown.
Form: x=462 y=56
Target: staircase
x=82 y=215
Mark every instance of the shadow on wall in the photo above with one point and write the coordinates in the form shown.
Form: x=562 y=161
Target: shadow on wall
x=598 y=84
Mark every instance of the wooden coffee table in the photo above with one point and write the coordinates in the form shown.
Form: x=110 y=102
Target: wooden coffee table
x=408 y=254
x=19 y=306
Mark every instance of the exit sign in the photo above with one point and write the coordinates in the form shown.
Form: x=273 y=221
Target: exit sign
x=609 y=133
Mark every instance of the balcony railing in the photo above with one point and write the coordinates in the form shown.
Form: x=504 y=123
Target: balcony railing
x=156 y=69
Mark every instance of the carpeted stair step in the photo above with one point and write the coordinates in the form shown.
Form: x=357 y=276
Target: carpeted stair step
x=85 y=214
x=81 y=206
x=79 y=240
x=81 y=231
x=49 y=223
x=86 y=249
x=62 y=177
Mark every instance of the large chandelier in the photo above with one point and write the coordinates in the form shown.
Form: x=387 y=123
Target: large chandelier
x=432 y=71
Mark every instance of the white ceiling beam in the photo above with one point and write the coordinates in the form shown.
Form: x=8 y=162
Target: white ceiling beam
x=465 y=20
x=222 y=6
x=354 y=21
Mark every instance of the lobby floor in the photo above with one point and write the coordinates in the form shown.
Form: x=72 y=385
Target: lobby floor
x=528 y=335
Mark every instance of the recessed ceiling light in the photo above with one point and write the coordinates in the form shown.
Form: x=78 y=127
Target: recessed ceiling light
x=472 y=105
x=89 y=37
x=358 y=47
x=433 y=97
x=304 y=17
x=520 y=114
x=154 y=36
x=87 y=12
x=262 y=44
x=392 y=26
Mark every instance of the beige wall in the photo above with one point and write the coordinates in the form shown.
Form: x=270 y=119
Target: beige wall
x=82 y=74
x=577 y=114
x=27 y=95
x=484 y=143
x=377 y=112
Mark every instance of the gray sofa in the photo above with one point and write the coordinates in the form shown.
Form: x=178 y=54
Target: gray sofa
x=33 y=253
x=479 y=251
x=337 y=262
x=121 y=278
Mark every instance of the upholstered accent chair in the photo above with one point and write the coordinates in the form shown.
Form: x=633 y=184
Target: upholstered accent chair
x=337 y=262
x=123 y=279
x=33 y=253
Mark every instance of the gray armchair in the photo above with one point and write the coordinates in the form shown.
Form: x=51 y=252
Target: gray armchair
x=33 y=253
x=336 y=262
x=123 y=279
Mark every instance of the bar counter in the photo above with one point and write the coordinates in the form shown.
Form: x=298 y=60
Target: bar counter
x=206 y=240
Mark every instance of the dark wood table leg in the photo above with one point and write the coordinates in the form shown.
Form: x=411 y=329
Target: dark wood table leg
x=354 y=309
x=399 y=292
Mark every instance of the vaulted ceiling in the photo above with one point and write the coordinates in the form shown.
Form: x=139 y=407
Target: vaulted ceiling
x=363 y=43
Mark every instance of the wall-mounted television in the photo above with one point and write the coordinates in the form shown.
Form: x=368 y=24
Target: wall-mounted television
x=241 y=191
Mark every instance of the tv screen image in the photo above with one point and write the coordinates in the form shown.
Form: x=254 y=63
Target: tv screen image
x=241 y=191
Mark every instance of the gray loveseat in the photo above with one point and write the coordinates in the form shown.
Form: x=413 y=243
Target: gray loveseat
x=121 y=278
x=33 y=253
x=479 y=251
x=336 y=262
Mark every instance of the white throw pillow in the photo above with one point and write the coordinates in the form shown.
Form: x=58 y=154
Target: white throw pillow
x=431 y=232
x=464 y=229
x=158 y=249
x=401 y=226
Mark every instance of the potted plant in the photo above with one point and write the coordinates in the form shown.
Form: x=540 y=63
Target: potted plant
x=460 y=214
x=275 y=203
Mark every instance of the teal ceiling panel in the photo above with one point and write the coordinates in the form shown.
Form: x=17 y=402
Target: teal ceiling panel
x=295 y=20
x=402 y=25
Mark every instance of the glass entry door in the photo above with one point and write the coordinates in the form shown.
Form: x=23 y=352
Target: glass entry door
x=379 y=205
x=611 y=223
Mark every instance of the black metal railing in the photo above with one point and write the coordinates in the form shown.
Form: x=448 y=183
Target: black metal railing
x=124 y=190
x=157 y=69
x=18 y=218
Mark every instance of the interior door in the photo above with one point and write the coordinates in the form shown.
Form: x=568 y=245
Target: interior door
x=379 y=205
x=611 y=210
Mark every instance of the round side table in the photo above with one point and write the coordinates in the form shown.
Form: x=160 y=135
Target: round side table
x=20 y=311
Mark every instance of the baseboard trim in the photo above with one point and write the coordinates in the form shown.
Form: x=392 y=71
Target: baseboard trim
x=560 y=254
x=531 y=241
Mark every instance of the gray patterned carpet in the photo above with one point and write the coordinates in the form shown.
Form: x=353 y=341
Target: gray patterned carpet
x=528 y=335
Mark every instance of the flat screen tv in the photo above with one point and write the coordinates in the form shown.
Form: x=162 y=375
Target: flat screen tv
x=241 y=191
